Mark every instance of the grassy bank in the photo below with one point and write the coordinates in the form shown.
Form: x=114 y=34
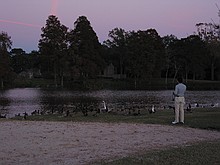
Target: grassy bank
x=203 y=118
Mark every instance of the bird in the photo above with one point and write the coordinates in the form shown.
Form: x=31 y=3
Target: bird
x=214 y=105
x=104 y=107
x=2 y=116
x=189 y=108
x=152 y=110
x=25 y=115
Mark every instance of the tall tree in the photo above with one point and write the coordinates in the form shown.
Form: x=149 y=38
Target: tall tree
x=85 y=49
x=158 y=51
x=146 y=52
x=53 y=48
x=5 y=45
x=195 y=53
x=210 y=33
x=117 y=44
x=178 y=58
x=168 y=42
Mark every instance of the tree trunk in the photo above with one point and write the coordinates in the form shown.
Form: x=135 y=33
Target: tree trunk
x=2 y=83
x=186 y=74
x=121 y=69
x=61 y=83
x=176 y=71
x=194 y=77
x=186 y=77
x=55 y=76
x=166 y=80
x=212 y=71
x=135 y=83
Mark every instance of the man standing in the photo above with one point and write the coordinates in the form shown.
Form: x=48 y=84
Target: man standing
x=179 y=92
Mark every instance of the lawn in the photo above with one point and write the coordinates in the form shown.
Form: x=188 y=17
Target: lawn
x=205 y=153
x=204 y=118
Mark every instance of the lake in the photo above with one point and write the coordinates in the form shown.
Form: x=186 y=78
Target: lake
x=21 y=100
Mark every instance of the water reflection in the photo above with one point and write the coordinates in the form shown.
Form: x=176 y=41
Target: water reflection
x=15 y=101
x=19 y=100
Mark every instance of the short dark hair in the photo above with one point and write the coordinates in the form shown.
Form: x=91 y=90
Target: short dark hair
x=180 y=79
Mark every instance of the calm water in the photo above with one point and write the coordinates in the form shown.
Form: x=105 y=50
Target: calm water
x=16 y=101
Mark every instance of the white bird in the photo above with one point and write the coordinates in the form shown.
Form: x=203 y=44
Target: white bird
x=153 y=109
x=104 y=107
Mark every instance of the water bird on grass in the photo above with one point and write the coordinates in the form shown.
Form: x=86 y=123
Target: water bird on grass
x=152 y=110
x=35 y=112
x=17 y=115
x=214 y=105
x=2 y=116
x=104 y=107
x=25 y=115
x=189 y=108
x=171 y=107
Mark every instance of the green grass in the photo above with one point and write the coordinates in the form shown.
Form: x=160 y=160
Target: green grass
x=204 y=118
x=205 y=153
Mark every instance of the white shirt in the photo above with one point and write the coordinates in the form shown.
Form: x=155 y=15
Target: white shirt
x=180 y=89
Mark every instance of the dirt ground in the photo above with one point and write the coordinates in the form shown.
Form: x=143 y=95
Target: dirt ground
x=72 y=143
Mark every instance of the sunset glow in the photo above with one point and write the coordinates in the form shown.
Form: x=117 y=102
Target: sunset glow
x=20 y=23
x=166 y=16
x=54 y=7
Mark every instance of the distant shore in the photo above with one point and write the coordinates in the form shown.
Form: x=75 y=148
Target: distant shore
x=117 y=84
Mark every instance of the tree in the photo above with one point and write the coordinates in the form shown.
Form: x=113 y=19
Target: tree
x=158 y=52
x=5 y=45
x=85 y=49
x=195 y=53
x=146 y=53
x=34 y=60
x=117 y=44
x=19 y=60
x=168 y=42
x=22 y=61
x=210 y=33
x=53 y=48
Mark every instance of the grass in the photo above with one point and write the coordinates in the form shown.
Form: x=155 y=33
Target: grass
x=203 y=153
x=208 y=118
x=204 y=118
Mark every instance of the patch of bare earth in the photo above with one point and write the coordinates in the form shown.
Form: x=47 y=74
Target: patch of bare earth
x=56 y=143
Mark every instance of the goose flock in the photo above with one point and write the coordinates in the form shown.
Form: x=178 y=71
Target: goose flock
x=102 y=107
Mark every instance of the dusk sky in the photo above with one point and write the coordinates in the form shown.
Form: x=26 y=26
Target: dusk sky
x=23 y=19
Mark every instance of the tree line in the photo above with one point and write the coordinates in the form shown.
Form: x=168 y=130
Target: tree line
x=68 y=55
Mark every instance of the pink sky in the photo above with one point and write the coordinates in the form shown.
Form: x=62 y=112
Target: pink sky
x=23 y=19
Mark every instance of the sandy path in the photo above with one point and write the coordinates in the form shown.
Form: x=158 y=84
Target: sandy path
x=70 y=143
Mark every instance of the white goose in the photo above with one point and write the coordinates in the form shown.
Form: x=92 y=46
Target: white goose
x=104 y=107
